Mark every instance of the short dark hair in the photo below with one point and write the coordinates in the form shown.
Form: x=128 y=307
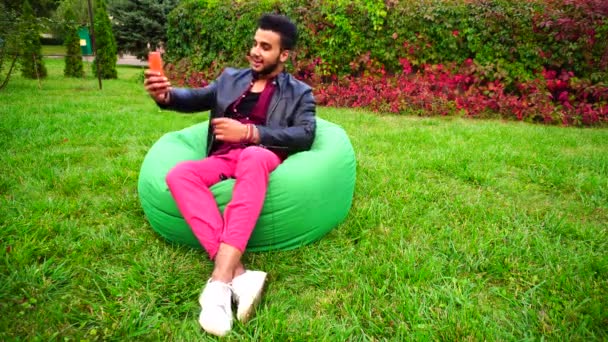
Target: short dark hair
x=281 y=25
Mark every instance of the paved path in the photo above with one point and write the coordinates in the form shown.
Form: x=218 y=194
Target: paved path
x=122 y=60
x=131 y=60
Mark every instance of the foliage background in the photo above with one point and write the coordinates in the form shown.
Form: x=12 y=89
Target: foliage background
x=534 y=60
x=511 y=40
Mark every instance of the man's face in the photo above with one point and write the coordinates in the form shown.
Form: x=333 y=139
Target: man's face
x=265 y=56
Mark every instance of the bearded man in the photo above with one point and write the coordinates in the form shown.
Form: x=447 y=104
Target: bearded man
x=259 y=116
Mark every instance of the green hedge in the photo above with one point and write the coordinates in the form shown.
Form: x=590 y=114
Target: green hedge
x=510 y=39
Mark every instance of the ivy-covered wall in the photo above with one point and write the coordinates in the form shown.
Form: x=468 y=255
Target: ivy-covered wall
x=513 y=39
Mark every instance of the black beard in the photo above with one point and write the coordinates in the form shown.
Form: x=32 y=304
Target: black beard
x=269 y=69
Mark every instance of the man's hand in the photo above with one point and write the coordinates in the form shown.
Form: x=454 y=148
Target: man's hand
x=229 y=130
x=157 y=86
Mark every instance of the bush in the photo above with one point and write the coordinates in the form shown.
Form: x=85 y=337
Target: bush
x=576 y=37
x=537 y=60
x=106 y=54
x=32 y=65
x=513 y=39
x=73 y=59
x=456 y=90
x=207 y=32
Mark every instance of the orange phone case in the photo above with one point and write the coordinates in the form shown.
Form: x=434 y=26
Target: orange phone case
x=155 y=62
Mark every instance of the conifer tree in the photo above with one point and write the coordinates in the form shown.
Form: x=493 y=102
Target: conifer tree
x=139 y=23
x=73 y=60
x=105 y=42
x=32 y=65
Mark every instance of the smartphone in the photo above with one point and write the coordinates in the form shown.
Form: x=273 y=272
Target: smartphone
x=155 y=62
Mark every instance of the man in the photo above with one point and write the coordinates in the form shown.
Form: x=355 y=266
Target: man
x=259 y=116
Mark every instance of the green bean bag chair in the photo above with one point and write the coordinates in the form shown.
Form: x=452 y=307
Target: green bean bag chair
x=309 y=194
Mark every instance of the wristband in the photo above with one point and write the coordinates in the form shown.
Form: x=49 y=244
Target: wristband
x=256 y=135
x=250 y=133
x=245 y=138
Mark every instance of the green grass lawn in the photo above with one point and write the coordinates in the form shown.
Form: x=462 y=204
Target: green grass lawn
x=53 y=50
x=459 y=230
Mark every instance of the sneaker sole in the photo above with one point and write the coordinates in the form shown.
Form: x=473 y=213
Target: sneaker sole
x=247 y=314
x=211 y=330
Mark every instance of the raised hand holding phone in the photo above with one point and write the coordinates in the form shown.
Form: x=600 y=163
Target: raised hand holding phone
x=157 y=85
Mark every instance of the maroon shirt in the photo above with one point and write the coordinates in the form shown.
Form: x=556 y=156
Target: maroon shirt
x=249 y=108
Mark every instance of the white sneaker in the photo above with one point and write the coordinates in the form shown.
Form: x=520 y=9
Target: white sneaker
x=216 y=313
x=247 y=290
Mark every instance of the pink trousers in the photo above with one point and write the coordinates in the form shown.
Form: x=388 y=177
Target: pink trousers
x=189 y=183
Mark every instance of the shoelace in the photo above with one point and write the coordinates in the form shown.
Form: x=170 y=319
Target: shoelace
x=217 y=300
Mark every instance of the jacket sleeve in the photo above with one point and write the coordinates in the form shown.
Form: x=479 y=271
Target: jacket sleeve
x=188 y=100
x=299 y=134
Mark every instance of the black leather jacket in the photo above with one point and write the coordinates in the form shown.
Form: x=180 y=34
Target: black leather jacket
x=290 y=121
